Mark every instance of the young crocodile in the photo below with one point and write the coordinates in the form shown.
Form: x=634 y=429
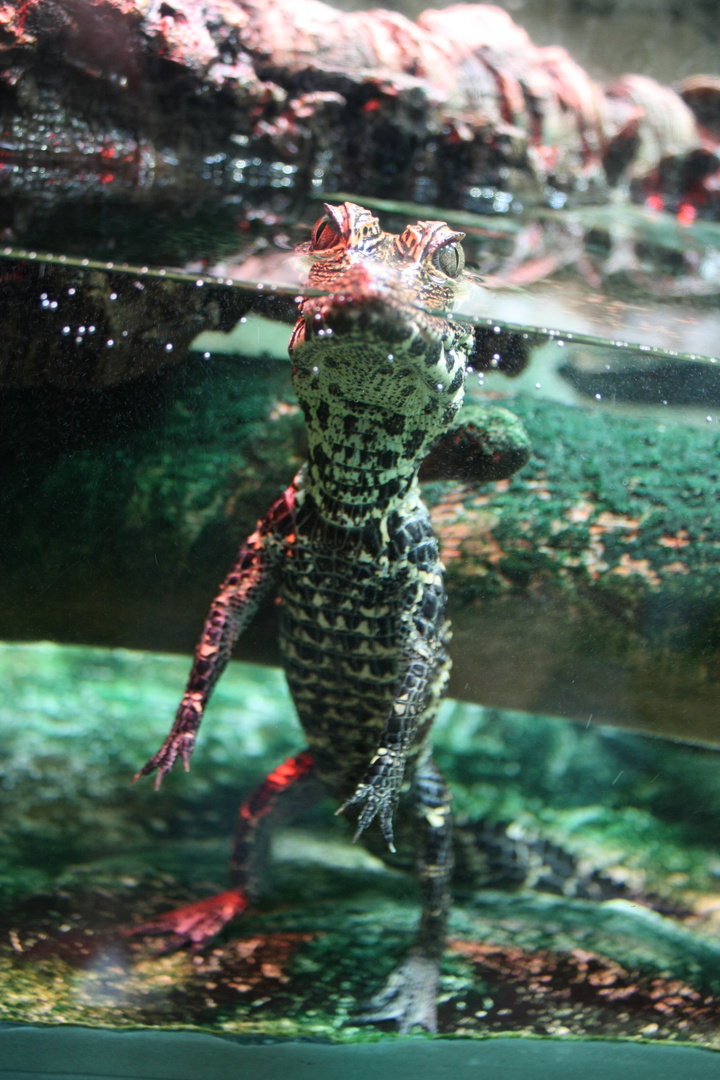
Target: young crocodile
x=379 y=369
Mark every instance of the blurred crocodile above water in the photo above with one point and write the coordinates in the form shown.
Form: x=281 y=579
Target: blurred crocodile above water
x=170 y=105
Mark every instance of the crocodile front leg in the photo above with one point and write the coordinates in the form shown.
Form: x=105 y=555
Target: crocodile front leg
x=253 y=574
x=425 y=671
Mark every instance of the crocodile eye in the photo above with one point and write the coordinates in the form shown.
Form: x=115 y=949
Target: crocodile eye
x=450 y=259
x=325 y=235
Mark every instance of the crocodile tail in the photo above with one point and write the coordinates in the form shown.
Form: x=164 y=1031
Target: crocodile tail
x=509 y=856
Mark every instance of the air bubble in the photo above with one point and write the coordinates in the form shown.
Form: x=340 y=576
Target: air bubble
x=110 y=342
x=168 y=347
x=538 y=386
x=598 y=397
x=71 y=292
x=199 y=283
x=315 y=369
x=439 y=386
x=560 y=344
x=113 y=296
x=497 y=330
x=91 y=329
x=390 y=358
x=470 y=369
x=243 y=319
x=206 y=356
x=709 y=419
x=66 y=329
x=321 y=333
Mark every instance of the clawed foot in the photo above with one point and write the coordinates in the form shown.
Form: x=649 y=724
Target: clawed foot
x=196 y=923
x=180 y=743
x=409 y=997
x=379 y=791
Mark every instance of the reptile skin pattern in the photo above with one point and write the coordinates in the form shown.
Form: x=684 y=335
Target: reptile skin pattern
x=379 y=369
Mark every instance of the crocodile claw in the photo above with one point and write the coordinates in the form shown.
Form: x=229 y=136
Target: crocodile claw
x=377 y=801
x=409 y=996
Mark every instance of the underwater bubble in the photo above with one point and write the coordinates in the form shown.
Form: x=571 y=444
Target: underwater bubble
x=538 y=385
x=84 y=262
x=168 y=347
x=390 y=358
x=66 y=329
x=243 y=319
x=497 y=330
x=43 y=296
x=321 y=333
x=260 y=285
x=709 y=419
x=315 y=369
x=113 y=296
x=110 y=342
x=470 y=369
x=598 y=397
x=560 y=344
x=45 y=303
x=81 y=329
x=53 y=305
x=91 y=329
x=71 y=292
x=199 y=282
x=439 y=386
x=206 y=356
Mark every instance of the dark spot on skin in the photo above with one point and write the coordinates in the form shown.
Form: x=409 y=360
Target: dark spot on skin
x=395 y=425
x=350 y=423
x=457 y=381
x=432 y=353
x=323 y=414
x=414 y=441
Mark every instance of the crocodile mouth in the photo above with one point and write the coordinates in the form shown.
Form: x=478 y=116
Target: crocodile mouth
x=376 y=311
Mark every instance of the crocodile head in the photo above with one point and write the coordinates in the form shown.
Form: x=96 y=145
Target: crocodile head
x=377 y=358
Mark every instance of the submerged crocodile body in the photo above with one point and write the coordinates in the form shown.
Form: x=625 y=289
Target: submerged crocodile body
x=379 y=368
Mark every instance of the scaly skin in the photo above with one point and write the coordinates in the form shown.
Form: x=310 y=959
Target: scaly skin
x=379 y=370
